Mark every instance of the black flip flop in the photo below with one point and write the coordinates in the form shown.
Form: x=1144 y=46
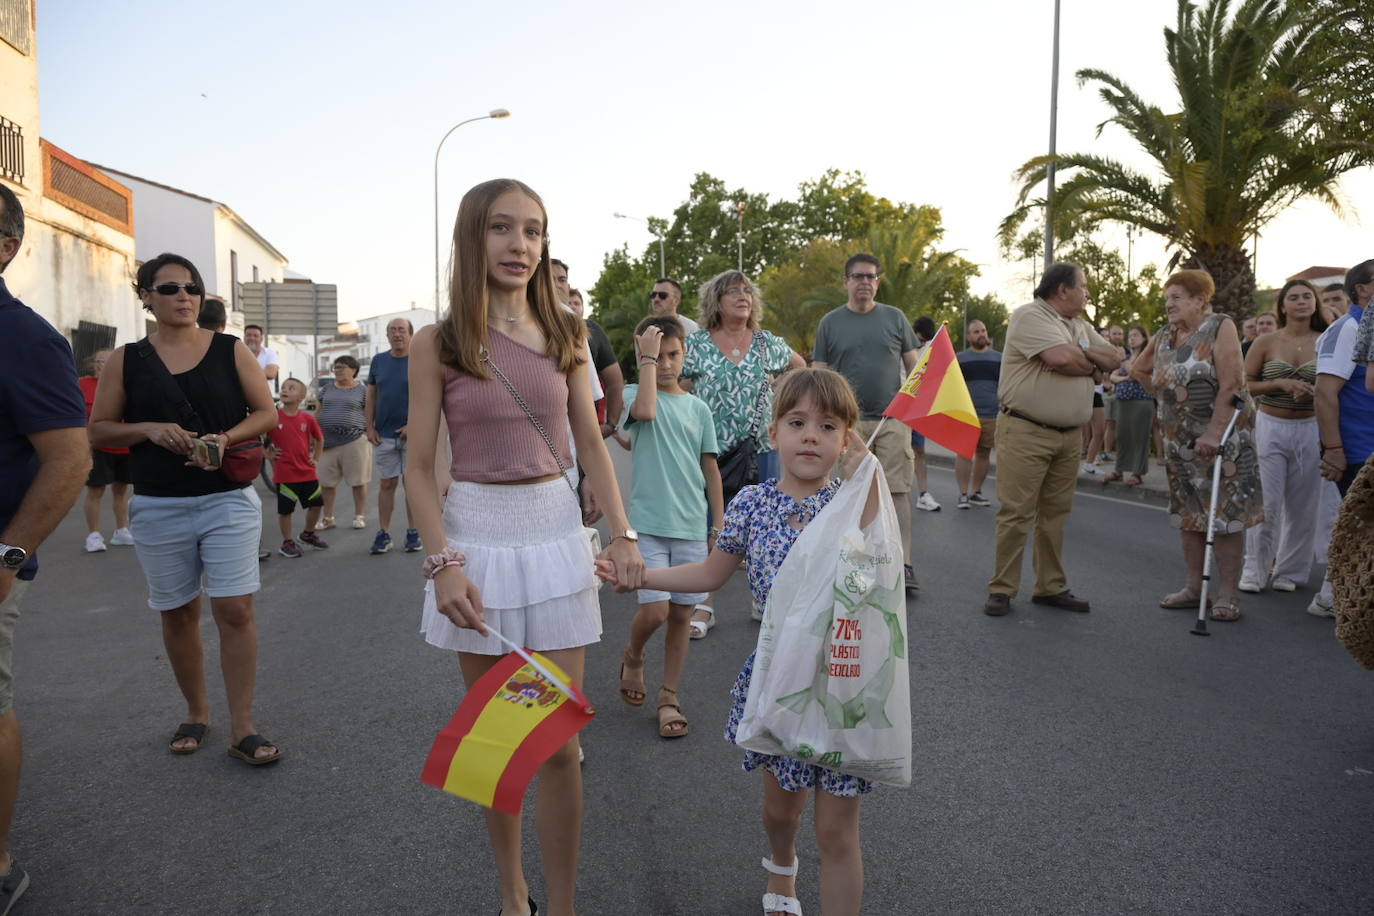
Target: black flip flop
x=193 y=730
x=534 y=908
x=246 y=748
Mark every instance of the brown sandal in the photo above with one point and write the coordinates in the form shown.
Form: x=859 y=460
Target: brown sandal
x=666 y=723
x=1134 y=480
x=1113 y=477
x=1224 y=610
x=630 y=685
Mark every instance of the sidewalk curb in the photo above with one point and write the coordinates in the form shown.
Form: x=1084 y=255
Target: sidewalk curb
x=1142 y=494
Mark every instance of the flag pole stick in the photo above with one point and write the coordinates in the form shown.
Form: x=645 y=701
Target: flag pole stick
x=869 y=443
x=548 y=675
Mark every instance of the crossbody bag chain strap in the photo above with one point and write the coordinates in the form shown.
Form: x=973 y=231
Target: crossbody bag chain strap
x=763 y=392
x=548 y=440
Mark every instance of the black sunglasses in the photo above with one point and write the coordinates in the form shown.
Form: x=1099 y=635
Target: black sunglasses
x=170 y=289
x=658 y=294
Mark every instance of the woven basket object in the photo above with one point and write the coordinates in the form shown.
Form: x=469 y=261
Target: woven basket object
x=1351 y=568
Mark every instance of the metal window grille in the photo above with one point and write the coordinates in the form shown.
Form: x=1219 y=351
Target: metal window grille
x=80 y=186
x=11 y=151
x=87 y=339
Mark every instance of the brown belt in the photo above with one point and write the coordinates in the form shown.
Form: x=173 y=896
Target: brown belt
x=1020 y=416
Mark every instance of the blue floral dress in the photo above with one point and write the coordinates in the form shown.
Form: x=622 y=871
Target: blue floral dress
x=756 y=524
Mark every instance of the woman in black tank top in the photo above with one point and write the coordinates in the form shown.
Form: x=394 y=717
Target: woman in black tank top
x=187 y=517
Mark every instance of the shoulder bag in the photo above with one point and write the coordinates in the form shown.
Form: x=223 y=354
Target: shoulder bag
x=739 y=464
x=593 y=536
x=240 y=463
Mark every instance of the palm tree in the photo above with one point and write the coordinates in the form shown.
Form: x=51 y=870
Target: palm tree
x=1249 y=134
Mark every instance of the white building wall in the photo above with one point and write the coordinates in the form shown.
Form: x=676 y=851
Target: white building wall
x=230 y=240
x=374 y=328
x=167 y=221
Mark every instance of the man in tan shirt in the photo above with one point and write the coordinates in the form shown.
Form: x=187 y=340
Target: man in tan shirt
x=1046 y=392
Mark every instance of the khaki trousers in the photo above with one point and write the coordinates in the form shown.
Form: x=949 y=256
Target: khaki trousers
x=1037 y=473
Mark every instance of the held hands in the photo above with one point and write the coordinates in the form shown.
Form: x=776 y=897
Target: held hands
x=650 y=342
x=621 y=564
x=1333 y=463
x=458 y=599
x=854 y=453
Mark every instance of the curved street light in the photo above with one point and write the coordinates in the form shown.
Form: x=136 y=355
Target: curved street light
x=662 y=261
x=495 y=113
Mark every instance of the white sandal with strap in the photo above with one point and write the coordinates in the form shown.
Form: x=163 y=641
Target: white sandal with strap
x=777 y=903
x=701 y=627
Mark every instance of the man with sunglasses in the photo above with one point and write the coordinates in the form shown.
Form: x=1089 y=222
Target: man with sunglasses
x=44 y=459
x=874 y=346
x=664 y=300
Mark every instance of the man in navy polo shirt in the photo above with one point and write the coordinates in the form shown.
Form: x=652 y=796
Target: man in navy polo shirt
x=1345 y=406
x=44 y=459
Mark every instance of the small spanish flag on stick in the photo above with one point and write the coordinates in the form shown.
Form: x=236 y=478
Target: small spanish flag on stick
x=934 y=400
x=512 y=720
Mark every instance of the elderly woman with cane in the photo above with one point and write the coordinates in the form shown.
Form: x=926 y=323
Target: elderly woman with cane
x=1194 y=366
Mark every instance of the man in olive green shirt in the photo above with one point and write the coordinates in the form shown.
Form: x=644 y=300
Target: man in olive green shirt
x=1049 y=365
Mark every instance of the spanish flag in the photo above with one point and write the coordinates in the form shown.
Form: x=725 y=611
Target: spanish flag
x=512 y=720
x=934 y=400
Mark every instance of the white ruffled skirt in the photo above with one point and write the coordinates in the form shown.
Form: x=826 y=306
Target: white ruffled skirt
x=531 y=562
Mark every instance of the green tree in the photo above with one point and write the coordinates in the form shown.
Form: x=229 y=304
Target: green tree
x=1252 y=131
x=798 y=292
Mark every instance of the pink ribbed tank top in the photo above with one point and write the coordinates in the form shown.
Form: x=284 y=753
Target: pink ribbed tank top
x=493 y=440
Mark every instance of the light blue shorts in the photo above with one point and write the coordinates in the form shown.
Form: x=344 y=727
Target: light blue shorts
x=181 y=538
x=390 y=457
x=661 y=553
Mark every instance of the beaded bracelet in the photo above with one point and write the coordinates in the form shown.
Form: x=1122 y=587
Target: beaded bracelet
x=441 y=560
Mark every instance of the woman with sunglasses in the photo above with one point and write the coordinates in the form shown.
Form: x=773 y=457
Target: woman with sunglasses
x=505 y=546
x=731 y=364
x=187 y=517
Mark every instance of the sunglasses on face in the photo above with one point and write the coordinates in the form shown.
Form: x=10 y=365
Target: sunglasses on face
x=863 y=276
x=658 y=294
x=170 y=289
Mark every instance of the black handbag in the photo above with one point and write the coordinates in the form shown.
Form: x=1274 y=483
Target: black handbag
x=739 y=464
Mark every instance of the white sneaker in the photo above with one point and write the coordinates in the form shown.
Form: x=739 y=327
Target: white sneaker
x=359 y=522
x=1320 y=607
x=94 y=542
x=1250 y=585
x=927 y=503
x=123 y=537
x=1283 y=584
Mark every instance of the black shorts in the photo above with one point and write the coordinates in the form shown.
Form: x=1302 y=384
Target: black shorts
x=307 y=493
x=107 y=469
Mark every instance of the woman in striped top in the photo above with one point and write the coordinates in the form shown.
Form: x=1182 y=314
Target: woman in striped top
x=1281 y=371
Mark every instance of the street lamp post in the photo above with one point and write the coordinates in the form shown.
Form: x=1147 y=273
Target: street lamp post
x=494 y=113
x=1054 y=121
x=662 y=260
x=740 y=208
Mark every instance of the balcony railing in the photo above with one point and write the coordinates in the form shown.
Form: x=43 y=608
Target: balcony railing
x=78 y=186
x=11 y=151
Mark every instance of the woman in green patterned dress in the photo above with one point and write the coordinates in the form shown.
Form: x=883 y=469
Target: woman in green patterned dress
x=731 y=364
x=1194 y=366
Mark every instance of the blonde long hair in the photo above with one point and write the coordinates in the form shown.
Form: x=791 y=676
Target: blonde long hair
x=463 y=333
x=708 y=311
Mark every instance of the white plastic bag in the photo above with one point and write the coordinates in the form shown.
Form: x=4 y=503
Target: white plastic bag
x=830 y=682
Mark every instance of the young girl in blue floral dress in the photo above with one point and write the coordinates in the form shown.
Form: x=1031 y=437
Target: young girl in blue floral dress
x=814 y=412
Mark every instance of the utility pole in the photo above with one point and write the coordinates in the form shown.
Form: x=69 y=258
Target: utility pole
x=741 y=237
x=1054 y=119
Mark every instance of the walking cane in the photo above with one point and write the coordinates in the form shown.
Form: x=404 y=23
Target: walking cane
x=1200 y=628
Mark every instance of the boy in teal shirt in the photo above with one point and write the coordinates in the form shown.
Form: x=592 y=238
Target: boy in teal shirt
x=676 y=481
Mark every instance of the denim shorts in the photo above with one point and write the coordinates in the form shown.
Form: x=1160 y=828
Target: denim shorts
x=179 y=539
x=391 y=458
x=661 y=553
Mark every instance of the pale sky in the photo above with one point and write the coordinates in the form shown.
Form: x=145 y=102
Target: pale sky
x=317 y=121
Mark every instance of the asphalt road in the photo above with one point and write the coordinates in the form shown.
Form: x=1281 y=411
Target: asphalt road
x=1078 y=764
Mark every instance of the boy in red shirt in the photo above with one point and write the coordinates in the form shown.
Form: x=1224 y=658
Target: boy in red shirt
x=297 y=441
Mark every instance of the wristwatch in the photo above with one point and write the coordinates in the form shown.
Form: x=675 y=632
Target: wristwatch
x=12 y=557
x=628 y=534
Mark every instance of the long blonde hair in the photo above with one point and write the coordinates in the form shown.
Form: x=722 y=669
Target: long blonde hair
x=463 y=333
x=708 y=311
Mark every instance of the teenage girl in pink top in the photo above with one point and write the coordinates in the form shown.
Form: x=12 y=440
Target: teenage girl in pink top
x=507 y=547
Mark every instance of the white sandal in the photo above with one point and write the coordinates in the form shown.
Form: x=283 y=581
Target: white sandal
x=701 y=627
x=777 y=903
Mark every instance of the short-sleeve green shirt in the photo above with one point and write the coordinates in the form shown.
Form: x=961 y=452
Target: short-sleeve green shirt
x=732 y=391
x=668 y=493
x=867 y=348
